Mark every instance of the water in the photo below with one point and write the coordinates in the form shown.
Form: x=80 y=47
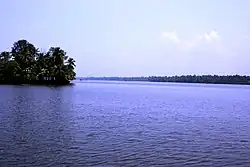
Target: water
x=125 y=124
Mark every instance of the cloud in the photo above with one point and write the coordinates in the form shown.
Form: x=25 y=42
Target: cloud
x=171 y=35
x=207 y=36
x=205 y=40
x=205 y=44
x=207 y=52
x=211 y=36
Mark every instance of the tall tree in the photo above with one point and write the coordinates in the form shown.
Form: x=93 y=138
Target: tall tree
x=24 y=54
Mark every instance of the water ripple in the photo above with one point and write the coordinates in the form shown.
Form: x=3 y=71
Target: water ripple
x=124 y=125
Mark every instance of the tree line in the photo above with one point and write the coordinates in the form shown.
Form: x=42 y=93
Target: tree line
x=211 y=79
x=26 y=64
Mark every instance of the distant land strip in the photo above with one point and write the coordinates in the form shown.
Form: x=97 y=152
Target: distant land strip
x=208 y=79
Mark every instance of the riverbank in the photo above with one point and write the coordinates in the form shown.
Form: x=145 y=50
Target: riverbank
x=37 y=82
x=204 y=79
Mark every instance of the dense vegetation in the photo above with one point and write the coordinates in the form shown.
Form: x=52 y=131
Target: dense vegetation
x=212 y=79
x=26 y=64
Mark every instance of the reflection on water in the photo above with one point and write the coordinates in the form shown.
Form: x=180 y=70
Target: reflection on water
x=96 y=124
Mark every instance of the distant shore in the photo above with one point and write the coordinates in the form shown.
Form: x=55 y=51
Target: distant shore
x=205 y=79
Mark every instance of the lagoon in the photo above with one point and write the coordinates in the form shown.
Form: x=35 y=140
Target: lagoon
x=113 y=123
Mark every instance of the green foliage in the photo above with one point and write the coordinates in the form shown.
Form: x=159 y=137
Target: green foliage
x=26 y=64
x=211 y=79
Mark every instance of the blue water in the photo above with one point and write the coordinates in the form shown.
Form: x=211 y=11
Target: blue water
x=102 y=123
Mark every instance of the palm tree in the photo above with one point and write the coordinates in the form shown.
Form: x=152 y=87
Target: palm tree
x=4 y=59
x=58 y=54
x=69 y=67
x=24 y=54
x=26 y=63
x=71 y=63
x=5 y=56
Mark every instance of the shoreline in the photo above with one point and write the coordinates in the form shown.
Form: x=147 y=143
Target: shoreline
x=198 y=79
x=146 y=81
x=38 y=83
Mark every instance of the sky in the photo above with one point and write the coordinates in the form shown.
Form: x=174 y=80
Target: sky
x=136 y=37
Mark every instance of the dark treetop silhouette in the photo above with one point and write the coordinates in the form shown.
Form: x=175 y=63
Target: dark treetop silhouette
x=25 y=64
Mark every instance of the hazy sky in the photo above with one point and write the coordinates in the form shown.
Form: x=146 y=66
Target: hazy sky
x=136 y=37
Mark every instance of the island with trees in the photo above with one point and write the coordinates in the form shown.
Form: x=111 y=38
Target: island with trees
x=26 y=64
x=207 y=79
